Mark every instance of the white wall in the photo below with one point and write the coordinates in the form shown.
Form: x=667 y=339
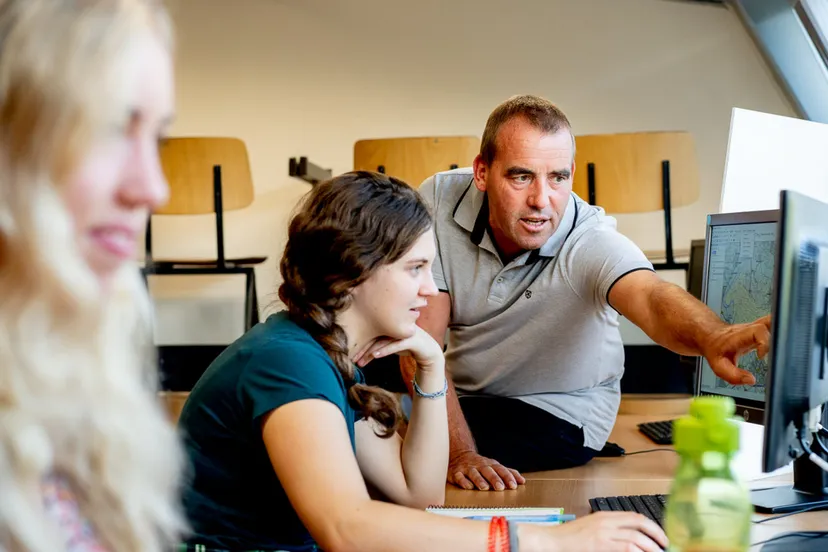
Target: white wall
x=310 y=77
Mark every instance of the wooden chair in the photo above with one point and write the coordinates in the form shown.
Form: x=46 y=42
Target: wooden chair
x=207 y=175
x=637 y=173
x=415 y=159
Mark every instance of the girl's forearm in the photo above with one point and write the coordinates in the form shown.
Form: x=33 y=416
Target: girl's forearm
x=426 y=445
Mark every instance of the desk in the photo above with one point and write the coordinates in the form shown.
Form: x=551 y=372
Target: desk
x=649 y=473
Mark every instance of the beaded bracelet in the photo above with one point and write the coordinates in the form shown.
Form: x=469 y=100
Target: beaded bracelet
x=504 y=535
x=492 y=540
x=421 y=393
x=497 y=526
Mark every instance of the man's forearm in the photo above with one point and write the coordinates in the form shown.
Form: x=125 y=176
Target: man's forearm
x=460 y=436
x=680 y=321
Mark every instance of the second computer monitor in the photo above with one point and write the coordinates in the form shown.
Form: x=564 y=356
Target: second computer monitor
x=695 y=272
x=799 y=337
x=739 y=256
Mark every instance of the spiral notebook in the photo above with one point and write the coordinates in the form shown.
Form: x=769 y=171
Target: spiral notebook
x=542 y=516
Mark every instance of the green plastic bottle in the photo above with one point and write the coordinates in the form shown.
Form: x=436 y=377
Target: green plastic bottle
x=709 y=509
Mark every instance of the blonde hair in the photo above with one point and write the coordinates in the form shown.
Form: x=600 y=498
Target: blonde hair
x=77 y=370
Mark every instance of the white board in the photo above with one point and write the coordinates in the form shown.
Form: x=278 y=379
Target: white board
x=769 y=153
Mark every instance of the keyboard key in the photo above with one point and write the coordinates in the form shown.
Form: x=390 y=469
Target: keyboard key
x=626 y=505
x=655 y=508
x=614 y=505
x=602 y=504
x=641 y=508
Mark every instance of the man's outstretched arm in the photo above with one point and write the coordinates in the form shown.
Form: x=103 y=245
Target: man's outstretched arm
x=675 y=319
x=467 y=469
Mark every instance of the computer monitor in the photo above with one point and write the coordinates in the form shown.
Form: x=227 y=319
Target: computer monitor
x=739 y=254
x=695 y=273
x=798 y=381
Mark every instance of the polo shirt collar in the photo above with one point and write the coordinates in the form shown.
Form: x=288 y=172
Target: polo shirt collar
x=468 y=207
x=472 y=213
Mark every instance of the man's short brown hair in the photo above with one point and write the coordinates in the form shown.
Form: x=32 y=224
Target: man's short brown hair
x=540 y=113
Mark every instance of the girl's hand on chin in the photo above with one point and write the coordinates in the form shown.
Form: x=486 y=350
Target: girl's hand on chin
x=421 y=346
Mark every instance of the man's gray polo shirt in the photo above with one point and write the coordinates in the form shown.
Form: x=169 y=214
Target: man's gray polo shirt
x=539 y=329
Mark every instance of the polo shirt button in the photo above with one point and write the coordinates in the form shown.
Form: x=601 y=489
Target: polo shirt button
x=500 y=280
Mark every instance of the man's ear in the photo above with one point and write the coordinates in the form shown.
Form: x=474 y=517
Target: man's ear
x=481 y=171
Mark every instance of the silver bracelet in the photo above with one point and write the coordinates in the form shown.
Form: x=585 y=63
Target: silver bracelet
x=513 y=536
x=423 y=394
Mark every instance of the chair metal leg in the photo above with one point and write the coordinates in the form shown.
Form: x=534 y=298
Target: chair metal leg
x=254 y=298
x=251 y=302
x=147 y=271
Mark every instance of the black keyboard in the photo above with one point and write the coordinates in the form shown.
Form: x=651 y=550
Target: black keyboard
x=661 y=433
x=651 y=506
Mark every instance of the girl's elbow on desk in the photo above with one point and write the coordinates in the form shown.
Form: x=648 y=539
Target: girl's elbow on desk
x=422 y=500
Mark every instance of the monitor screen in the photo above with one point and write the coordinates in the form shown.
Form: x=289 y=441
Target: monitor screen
x=738 y=285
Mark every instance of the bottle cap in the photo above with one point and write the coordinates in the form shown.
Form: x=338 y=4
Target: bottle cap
x=710 y=426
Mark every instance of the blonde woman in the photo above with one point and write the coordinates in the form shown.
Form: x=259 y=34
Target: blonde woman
x=87 y=459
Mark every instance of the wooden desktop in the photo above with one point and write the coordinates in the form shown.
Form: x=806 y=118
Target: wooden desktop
x=649 y=473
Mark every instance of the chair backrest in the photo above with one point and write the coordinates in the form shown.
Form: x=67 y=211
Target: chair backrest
x=628 y=170
x=415 y=159
x=188 y=165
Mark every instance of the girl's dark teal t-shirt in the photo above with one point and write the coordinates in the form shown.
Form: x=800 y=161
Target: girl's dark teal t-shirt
x=233 y=497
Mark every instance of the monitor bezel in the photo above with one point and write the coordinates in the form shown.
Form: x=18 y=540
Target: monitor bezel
x=752 y=411
x=695 y=245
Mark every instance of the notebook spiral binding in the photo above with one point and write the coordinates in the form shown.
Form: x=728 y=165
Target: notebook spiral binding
x=510 y=508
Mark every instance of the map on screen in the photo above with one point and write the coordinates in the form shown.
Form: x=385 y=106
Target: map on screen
x=739 y=288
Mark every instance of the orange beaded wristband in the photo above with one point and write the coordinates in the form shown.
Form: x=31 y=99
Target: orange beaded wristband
x=493 y=529
x=504 y=533
x=498 y=534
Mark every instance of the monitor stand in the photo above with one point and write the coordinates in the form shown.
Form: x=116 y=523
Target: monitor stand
x=807 y=492
x=807 y=541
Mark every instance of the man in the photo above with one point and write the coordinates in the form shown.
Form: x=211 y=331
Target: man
x=532 y=280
